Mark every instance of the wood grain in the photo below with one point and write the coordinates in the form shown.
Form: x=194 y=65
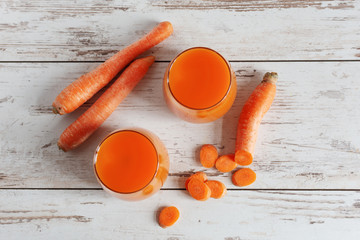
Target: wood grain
x=93 y=214
x=93 y=30
x=308 y=139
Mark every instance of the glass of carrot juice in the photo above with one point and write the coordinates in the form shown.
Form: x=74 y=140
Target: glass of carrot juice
x=199 y=85
x=131 y=164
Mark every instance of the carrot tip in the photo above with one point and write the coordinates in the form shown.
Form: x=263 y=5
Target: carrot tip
x=54 y=109
x=61 y=147
x=271 y=77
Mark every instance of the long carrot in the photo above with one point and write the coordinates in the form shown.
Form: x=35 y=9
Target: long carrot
x=81 y=90
x=250 y=117
x=168 y=216
x=89 y=121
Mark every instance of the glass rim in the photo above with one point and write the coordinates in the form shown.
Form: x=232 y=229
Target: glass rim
x=206 y=108
x=138 y=131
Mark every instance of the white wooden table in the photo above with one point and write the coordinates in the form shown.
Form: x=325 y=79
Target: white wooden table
x=307 y=156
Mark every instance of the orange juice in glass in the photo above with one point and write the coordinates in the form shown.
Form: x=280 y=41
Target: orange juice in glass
x=199 y=85
x=131 y=164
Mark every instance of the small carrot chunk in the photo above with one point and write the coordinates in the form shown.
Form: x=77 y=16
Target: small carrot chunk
x=199 y=175
x=218 y=189
x=198 y=189
x=208 y=155
x=226 y=163
x=243 y=177
x=168 y=216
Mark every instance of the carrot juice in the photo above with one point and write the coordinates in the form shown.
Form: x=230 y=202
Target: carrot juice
x=199 y=85
x=131 y=164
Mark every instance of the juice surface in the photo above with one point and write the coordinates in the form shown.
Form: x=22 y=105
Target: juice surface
x=126 y=161
x=199 y=78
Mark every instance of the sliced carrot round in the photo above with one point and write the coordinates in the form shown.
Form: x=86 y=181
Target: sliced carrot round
x=168 y=216
x=199 y=175
x=226 y=163
x=243 y=177
x=198 y=189
x=208 y=155
x=218 y=189
x=243 y=157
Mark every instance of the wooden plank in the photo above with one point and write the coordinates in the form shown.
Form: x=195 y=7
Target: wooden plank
x=88 y=30
x=309 y=138
x=27 y=214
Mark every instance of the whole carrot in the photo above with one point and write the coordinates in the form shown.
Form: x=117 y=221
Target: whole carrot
x=90 y=120
x=250 y=117
x=81 y=90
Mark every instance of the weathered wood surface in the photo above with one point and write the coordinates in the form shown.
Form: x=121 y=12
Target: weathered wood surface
x=86 y=30
x=92 y=214
x=308 y=140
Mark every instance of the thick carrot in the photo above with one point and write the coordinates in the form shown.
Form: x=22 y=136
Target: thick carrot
x=225 y=163
x=243 y=177
x=218 y=189
x=251 y=115
x=208 y=155
x=198 y=189
x=89 y=121
x=168 y=216
x=81 y=90
x=199 y=175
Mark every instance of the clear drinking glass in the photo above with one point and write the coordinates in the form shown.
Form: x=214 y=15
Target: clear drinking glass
x=202 y=114
x=120 y=154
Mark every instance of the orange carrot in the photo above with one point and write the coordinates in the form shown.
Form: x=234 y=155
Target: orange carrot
x=81 y=90
x=208 y=155
x=250 y=117
x=89 y=121
x=199 y=175
x=226 y=163
x=243 y=177
x=218 y=189
x=168 y=216
x=198 y=189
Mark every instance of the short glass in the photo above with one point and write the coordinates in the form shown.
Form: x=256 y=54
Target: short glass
x=118 y=162
x=193 y=64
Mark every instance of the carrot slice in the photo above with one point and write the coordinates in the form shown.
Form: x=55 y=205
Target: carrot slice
x=226 y=163
x=218 y=189
x=251 y=115
x=89 y=121
x=168 y=216
x=243 y=177
x=199 y=175
x=81 y=90
x=208 y=155
x=198 y=189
